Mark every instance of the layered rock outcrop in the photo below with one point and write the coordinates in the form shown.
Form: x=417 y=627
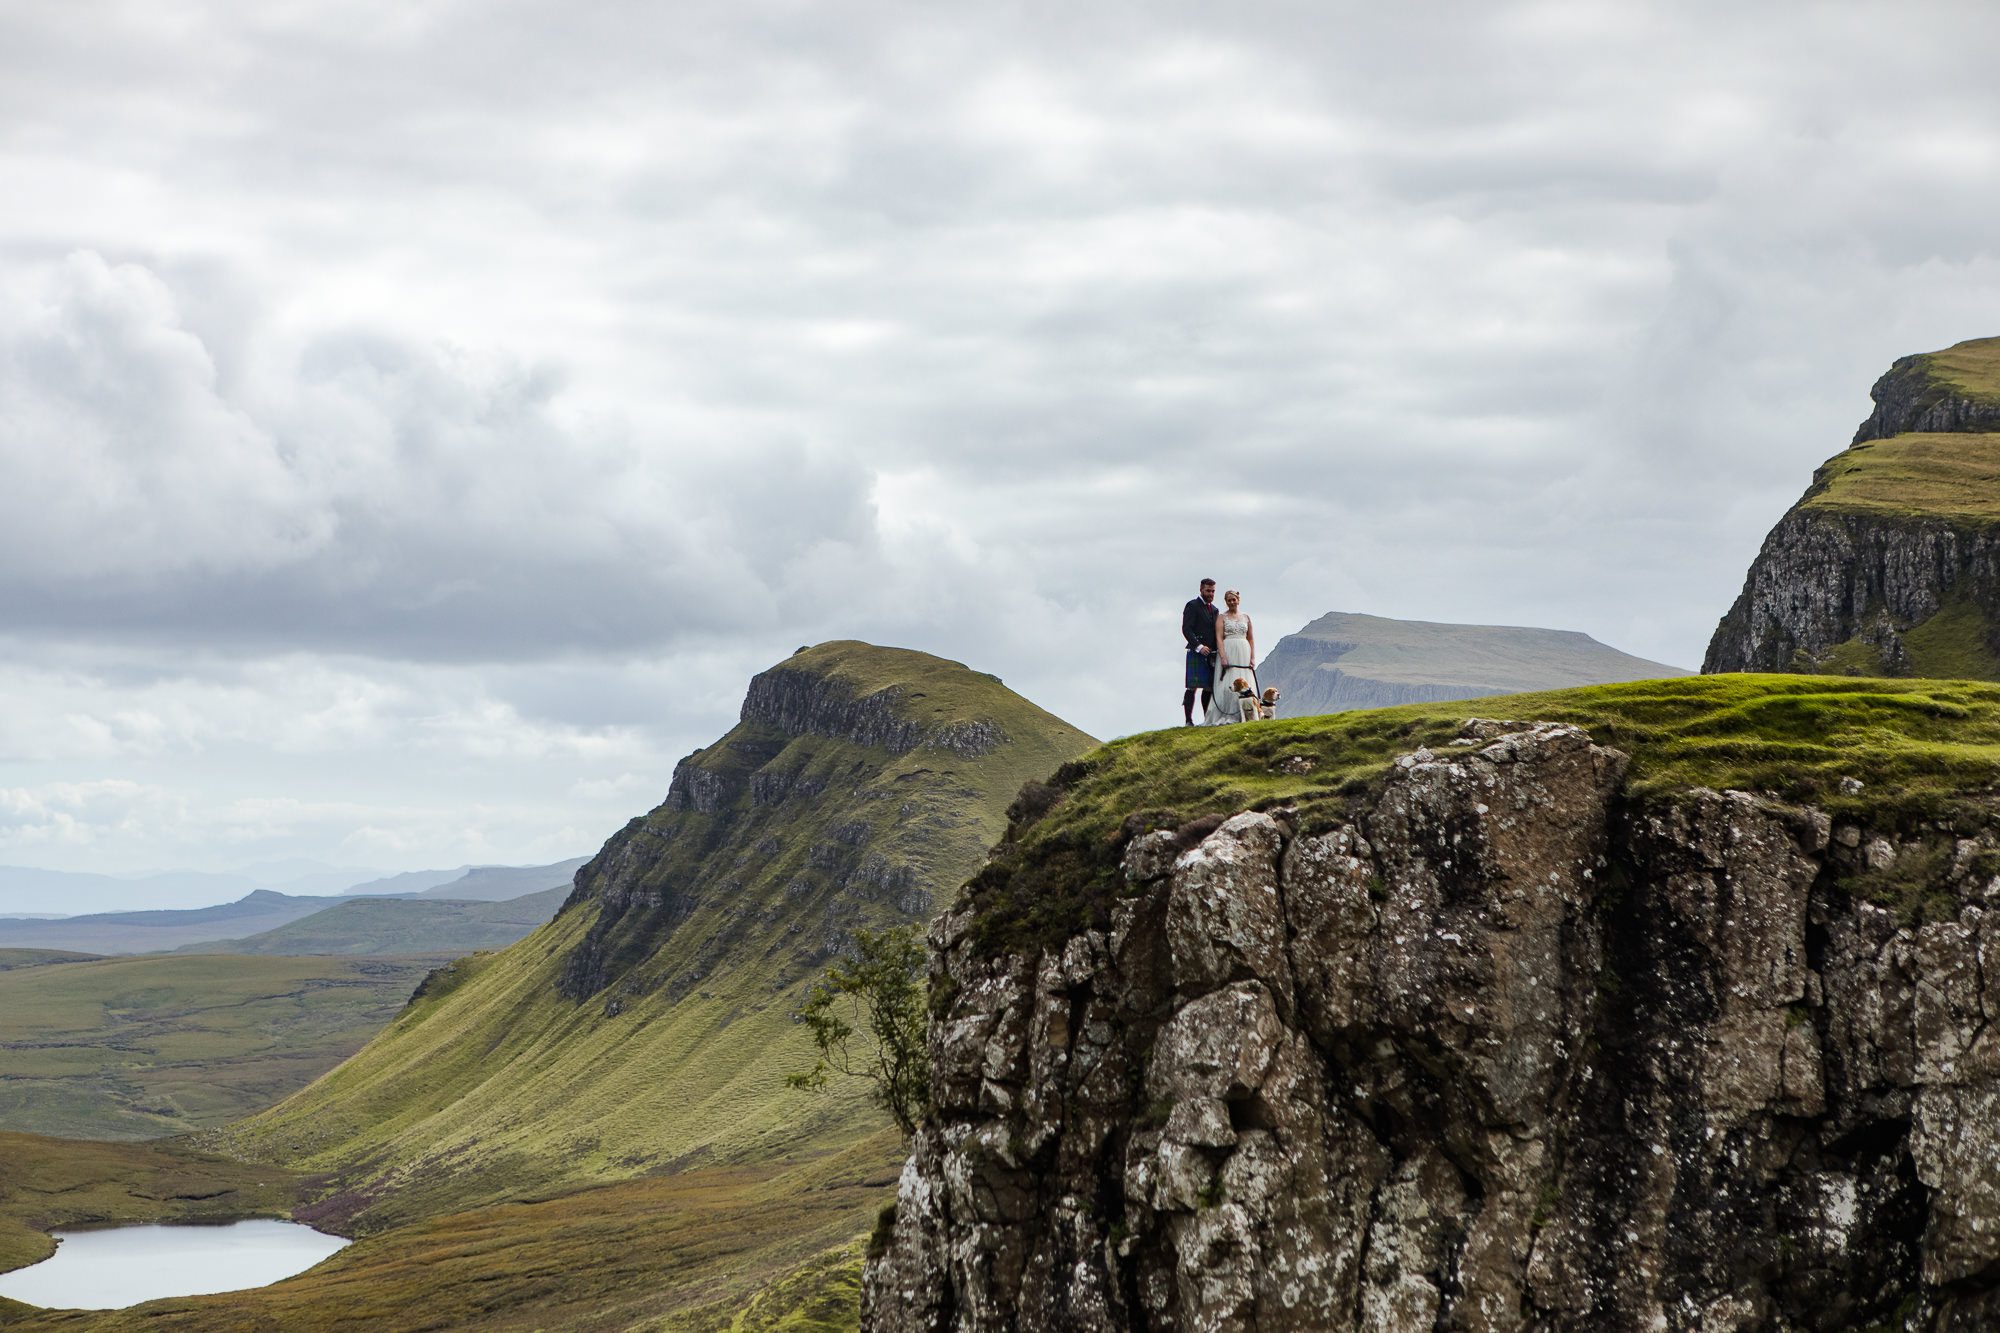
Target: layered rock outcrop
x=1852 y=570
x=1510 y=1048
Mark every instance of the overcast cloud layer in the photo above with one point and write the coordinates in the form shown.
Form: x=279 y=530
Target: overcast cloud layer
x=419 y=419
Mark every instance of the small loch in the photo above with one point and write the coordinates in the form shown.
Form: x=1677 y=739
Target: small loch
x=112 y=1267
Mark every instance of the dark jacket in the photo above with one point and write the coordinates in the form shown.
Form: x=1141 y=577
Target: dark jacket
x=1198 y=623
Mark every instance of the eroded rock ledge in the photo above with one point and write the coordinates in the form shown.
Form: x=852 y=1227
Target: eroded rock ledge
x=1508 y=1051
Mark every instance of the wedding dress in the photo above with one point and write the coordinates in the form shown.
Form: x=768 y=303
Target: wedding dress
x=1232 y=664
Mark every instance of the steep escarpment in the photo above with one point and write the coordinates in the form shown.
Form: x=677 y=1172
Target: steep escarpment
x=1342 y=661
x=1890 y=563
x=1520 y=1028
x=647 y=1028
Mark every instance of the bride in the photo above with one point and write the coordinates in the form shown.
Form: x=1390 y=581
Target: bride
x=1235 y=659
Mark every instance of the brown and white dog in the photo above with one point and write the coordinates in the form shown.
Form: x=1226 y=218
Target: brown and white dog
x=1247 y=703
x=1268 y=705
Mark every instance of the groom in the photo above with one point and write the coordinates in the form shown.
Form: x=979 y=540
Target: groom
x=1198 y=628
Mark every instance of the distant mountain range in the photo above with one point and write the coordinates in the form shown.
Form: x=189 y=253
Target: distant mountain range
x=32 y=891
x=1343 y=661
x=439 y=922
x=402 y=926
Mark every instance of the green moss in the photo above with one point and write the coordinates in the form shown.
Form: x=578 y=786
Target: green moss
x=1924 y=749
x=1545 y=1204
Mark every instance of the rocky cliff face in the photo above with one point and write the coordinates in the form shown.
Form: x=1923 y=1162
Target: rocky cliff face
x=1509 y=1048
x=1890 y=563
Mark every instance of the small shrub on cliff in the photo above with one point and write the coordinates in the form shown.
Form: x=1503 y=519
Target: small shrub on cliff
x=882 y=991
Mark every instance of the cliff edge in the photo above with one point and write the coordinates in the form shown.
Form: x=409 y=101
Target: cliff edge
x=1889 y=565
x=1400 y=1021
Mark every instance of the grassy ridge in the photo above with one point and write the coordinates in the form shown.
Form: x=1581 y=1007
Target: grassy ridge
x=129 y=1048
x=496 y=1085
x=1923 y=749
x=683 y=1252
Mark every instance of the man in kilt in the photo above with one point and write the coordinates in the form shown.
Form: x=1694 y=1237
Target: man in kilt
x=1198 y=628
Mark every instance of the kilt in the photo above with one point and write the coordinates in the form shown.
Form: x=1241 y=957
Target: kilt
x=1200 y=670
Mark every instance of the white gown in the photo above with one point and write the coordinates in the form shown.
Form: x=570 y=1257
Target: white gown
x=1232 y=664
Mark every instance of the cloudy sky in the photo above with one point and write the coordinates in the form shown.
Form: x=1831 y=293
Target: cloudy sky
x=419 y=417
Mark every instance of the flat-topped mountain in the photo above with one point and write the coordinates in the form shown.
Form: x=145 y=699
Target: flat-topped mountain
x=1343 y=660
x=1889 y=565
x=648 y=1027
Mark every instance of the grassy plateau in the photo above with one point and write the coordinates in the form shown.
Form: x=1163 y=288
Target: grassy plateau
x=1954 y=477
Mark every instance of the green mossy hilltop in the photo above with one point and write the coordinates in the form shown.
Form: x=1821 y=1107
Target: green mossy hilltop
x=648 y=1028
x=1922 y=750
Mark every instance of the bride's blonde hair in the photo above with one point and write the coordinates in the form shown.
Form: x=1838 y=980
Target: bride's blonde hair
x=1232 y=596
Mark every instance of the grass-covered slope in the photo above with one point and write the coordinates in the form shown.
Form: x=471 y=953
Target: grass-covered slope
x=131 y=1048
x=648 y=1027
x=385 y=926
x=1920 y=749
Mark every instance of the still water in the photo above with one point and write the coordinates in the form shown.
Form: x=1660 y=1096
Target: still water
x=117 y=1266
